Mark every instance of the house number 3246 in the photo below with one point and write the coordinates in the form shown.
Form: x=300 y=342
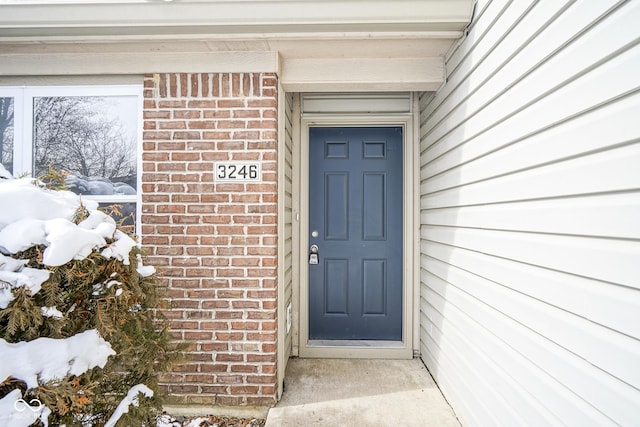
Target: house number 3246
x=237 y=171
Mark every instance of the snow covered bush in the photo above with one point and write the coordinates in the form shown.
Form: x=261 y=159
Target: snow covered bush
x=79 y=332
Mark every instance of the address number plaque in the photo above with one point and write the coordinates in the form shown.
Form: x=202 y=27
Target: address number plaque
x=237 y=171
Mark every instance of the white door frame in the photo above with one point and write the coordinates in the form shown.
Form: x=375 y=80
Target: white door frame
x=363 y=349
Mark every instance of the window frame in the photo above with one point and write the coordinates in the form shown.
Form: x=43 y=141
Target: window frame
x=23 y=118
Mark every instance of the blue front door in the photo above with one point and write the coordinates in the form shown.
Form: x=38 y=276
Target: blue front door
x=355 y=223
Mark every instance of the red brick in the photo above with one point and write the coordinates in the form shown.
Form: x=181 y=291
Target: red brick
x=216 y=219
x=215 y=261
x=217 y=242
x=214 y=326
x=186 y=135
x=172 y=104
x=245 y=326
x=183 y=388
x=163 y=114
x=208 y=103
x=229 y=336
x=231 y=103
x=244 y=113
x=202 y=124
x=156 y=135
x=214 y=367
x=171 y=145
x=214 y=389
x=246 y=135
x=261 y=379
x=227 y=293
x=172 y=125
x=244 y=389
x=245 y=262
x=187 y=114
x=185 y=157
x=216 y=114
x=230 y=400
x=185 y=283
x=229 y=357
x=248 y=283
x=261 y=400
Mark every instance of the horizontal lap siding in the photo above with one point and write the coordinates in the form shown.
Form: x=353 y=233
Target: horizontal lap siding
x=288 y=202
x=530 y=213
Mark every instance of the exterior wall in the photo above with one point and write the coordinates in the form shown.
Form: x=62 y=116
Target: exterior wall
x=530 y=200
x=285 y=231
x=216 y=244
x=288 y=230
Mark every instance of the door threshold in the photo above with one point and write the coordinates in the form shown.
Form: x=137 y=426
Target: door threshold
x=356 y=343
x=356 y=349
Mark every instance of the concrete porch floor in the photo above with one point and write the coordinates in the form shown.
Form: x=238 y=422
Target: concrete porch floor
x=357 y=392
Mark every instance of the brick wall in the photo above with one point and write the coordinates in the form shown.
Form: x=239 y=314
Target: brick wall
x=215 y=244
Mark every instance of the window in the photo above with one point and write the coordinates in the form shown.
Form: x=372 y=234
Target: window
x=91 y=134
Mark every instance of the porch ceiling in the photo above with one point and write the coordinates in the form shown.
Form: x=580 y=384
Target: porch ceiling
x=319 y=45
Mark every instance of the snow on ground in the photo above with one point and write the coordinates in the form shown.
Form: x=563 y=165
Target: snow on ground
x=36 y=216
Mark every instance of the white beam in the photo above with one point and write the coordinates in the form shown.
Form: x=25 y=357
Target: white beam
x=136 y=63
x=363 y=74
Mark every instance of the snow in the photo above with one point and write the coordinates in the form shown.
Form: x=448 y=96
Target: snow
x=51 y=312
x=43 y=217
x=37 y=216
x=5 y=173
x=99 y=288
x=144 y=270
x=15 y=274
x=15 y=412
x=46 y=359
x=130 y=399
x=11 y=264
x=120 y=248
x=28 y=200
x=21 y=235
x=42 y=360
x=67 y=241
x=165 y=420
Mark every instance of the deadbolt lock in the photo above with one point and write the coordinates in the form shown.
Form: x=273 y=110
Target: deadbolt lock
x=313 y=255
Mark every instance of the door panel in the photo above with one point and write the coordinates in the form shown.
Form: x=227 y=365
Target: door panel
x=336 y=206
x=355 y=219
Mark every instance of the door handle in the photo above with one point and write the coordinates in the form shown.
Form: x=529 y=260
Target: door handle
x=313 y=255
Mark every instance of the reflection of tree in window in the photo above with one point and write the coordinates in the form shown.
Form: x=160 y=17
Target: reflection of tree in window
x=79 y=136
x=6 y=133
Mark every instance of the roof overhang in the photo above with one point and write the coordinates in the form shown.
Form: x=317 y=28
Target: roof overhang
x=367 y=43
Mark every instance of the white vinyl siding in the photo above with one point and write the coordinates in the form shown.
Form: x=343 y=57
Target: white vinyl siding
x=530 y=216
x=288 y=203
x=285 y=233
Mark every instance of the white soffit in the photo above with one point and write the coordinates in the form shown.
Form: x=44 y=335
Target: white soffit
x=24 y=19
x=314 y=45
